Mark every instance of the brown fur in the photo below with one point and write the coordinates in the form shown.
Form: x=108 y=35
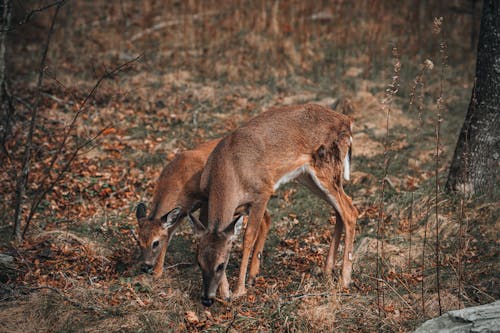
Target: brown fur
x=245 y=166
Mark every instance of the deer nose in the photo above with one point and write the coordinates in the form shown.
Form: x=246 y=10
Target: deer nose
x=147 y=268
x=207 y=302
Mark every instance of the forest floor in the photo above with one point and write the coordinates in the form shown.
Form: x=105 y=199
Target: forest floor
x=74 y=270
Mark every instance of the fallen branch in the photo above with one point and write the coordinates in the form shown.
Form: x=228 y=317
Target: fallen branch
x=298 y=296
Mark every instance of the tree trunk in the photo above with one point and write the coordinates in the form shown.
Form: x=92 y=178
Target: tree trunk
x=474 y=167
x=6 y=107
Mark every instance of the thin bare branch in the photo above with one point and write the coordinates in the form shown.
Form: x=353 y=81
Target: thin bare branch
x=33 y=13
x=38 y=200
x=23 y=179
x=81 y=108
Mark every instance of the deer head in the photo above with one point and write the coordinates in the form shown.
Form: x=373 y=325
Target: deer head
x=154 y=236
x=214 y=247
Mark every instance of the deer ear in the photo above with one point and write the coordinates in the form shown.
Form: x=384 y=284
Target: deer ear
x=198 y=227
x=233 y=230
x=171 y=218
x=140 y=211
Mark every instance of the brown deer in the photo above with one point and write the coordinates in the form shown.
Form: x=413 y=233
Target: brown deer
x=177 y=191
x=309 y=143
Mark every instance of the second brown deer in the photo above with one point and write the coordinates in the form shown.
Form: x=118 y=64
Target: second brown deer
x=177 y=191
x=309 y=143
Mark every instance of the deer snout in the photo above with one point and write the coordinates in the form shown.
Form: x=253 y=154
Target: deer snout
x=207 y=302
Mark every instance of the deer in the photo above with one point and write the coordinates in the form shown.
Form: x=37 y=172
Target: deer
x=307 y=143
x=177 y=192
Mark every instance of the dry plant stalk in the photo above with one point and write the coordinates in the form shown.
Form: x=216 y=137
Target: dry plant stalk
x=417 y=97
x=437 y=29
x=390 y=92
x=424 y=244
x=410 y=223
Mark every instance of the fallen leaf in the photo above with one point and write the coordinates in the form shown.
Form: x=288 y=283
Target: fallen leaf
x=191 y=317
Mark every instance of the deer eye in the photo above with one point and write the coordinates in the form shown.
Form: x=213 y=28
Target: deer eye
x=220 y=268
x=155 y=244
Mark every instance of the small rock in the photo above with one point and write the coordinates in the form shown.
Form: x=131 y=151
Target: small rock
x=483 y=318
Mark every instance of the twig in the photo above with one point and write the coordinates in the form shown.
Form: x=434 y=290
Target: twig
x=38 y=200
x=410 y=223
x=298 y=296
x=391 y=91
x=439 y=106
x=423 y=256
x=179 y=264
x=396 y=292
x=57 y=99
x=23 y=179
x=24 y=102
x=232 y=321
x=81 y=106
x=32 y=13
x=23 y=260
x=482 y=292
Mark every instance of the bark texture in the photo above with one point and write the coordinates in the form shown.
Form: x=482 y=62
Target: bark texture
x=474 y=168
x=6 y=108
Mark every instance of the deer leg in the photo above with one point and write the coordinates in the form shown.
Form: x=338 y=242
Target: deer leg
x=254 y=219
x=348 y=214
x=259 y=246
x=311 y=181
x=320 y=182
x=224 y=291
x=158 y=269
x=331 y=259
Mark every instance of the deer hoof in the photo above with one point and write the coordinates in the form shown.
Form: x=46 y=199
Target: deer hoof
x=240 y=292
x=346 y=283
x=251 y=281
x=157 y=274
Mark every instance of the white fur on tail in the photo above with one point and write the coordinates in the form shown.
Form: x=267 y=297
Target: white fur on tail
x=347 y=166
x=347 y=162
